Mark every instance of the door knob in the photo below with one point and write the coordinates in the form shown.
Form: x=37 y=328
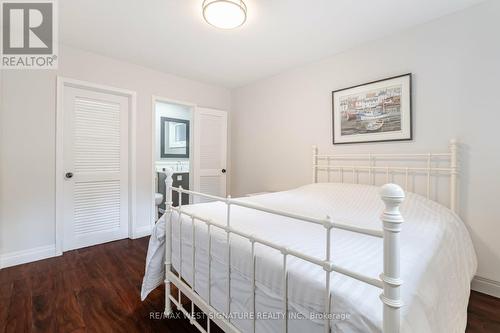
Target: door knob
x=223 y=170
x=68 y=175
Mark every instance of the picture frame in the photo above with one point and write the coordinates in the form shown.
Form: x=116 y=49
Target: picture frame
x=174 y=138
x=377 y=111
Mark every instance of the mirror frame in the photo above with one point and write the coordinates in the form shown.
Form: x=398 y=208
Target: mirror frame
x=164 y=121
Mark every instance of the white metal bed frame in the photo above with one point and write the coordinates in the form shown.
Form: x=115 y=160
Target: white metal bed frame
x=389 y=281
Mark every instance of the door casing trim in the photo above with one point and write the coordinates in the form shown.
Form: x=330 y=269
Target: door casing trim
x=192 y=106
x=63 y=82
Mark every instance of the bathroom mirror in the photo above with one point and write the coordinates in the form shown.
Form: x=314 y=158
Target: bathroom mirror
x=174 y=138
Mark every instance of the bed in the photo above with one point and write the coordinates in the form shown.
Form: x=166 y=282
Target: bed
x=281 y=279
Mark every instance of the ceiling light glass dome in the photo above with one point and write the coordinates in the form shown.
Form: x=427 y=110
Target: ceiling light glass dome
x=224 y=14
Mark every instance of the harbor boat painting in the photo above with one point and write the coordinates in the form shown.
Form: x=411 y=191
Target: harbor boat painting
x=375 y=111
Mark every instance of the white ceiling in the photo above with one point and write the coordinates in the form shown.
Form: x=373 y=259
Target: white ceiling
x=171 y=36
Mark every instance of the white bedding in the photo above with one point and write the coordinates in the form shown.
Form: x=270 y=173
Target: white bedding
x=437 y=260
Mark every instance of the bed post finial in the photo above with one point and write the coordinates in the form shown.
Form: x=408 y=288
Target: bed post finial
x=454 y=174
x=314 y=163
x=168 y=185
x=392 y=196
x=168 y=245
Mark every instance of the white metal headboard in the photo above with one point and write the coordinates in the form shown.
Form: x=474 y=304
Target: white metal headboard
x=394 y=163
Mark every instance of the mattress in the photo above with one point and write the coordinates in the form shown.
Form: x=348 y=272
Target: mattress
x=437 y=261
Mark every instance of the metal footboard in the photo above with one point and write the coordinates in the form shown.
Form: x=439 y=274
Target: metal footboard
x=389 y=281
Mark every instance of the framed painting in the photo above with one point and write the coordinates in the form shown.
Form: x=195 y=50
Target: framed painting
x=174 y=136
x=373 y=112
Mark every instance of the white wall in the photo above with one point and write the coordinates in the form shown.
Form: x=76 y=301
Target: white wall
x=27 y=146
x=456 y=65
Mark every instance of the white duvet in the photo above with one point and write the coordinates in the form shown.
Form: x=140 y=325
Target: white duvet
x=437 y=261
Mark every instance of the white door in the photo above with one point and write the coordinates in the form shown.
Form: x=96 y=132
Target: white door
x=210 y=152
x=95 y=160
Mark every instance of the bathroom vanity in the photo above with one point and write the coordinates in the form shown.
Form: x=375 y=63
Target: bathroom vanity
x=179 y=179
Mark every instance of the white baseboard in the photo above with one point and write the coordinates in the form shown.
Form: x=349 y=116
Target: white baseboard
x=142 y=231
x=49 y=251
x=25 y=256
x=486 y=286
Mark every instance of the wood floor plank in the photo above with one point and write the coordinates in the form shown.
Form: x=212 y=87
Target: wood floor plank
x=97 y=289
x=6 y=289
x=21 y=287
x=43 y=283
x=483 y=313
x=68 y=313
x=43 y=312
x=105 y=313
x=19 y=314
x=71 y=279
x=4 y=312
x=10 y=274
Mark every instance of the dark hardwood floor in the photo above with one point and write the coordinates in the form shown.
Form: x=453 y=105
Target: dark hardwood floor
x=97 y=289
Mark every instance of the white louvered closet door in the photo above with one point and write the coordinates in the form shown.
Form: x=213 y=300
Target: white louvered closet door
x=95 y=154
x=210 y=152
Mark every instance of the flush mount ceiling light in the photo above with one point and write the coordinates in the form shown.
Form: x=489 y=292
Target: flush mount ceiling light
x=224 y=14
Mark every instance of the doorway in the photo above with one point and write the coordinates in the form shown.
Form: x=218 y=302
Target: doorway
x=191 y=141
x=172 y=150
